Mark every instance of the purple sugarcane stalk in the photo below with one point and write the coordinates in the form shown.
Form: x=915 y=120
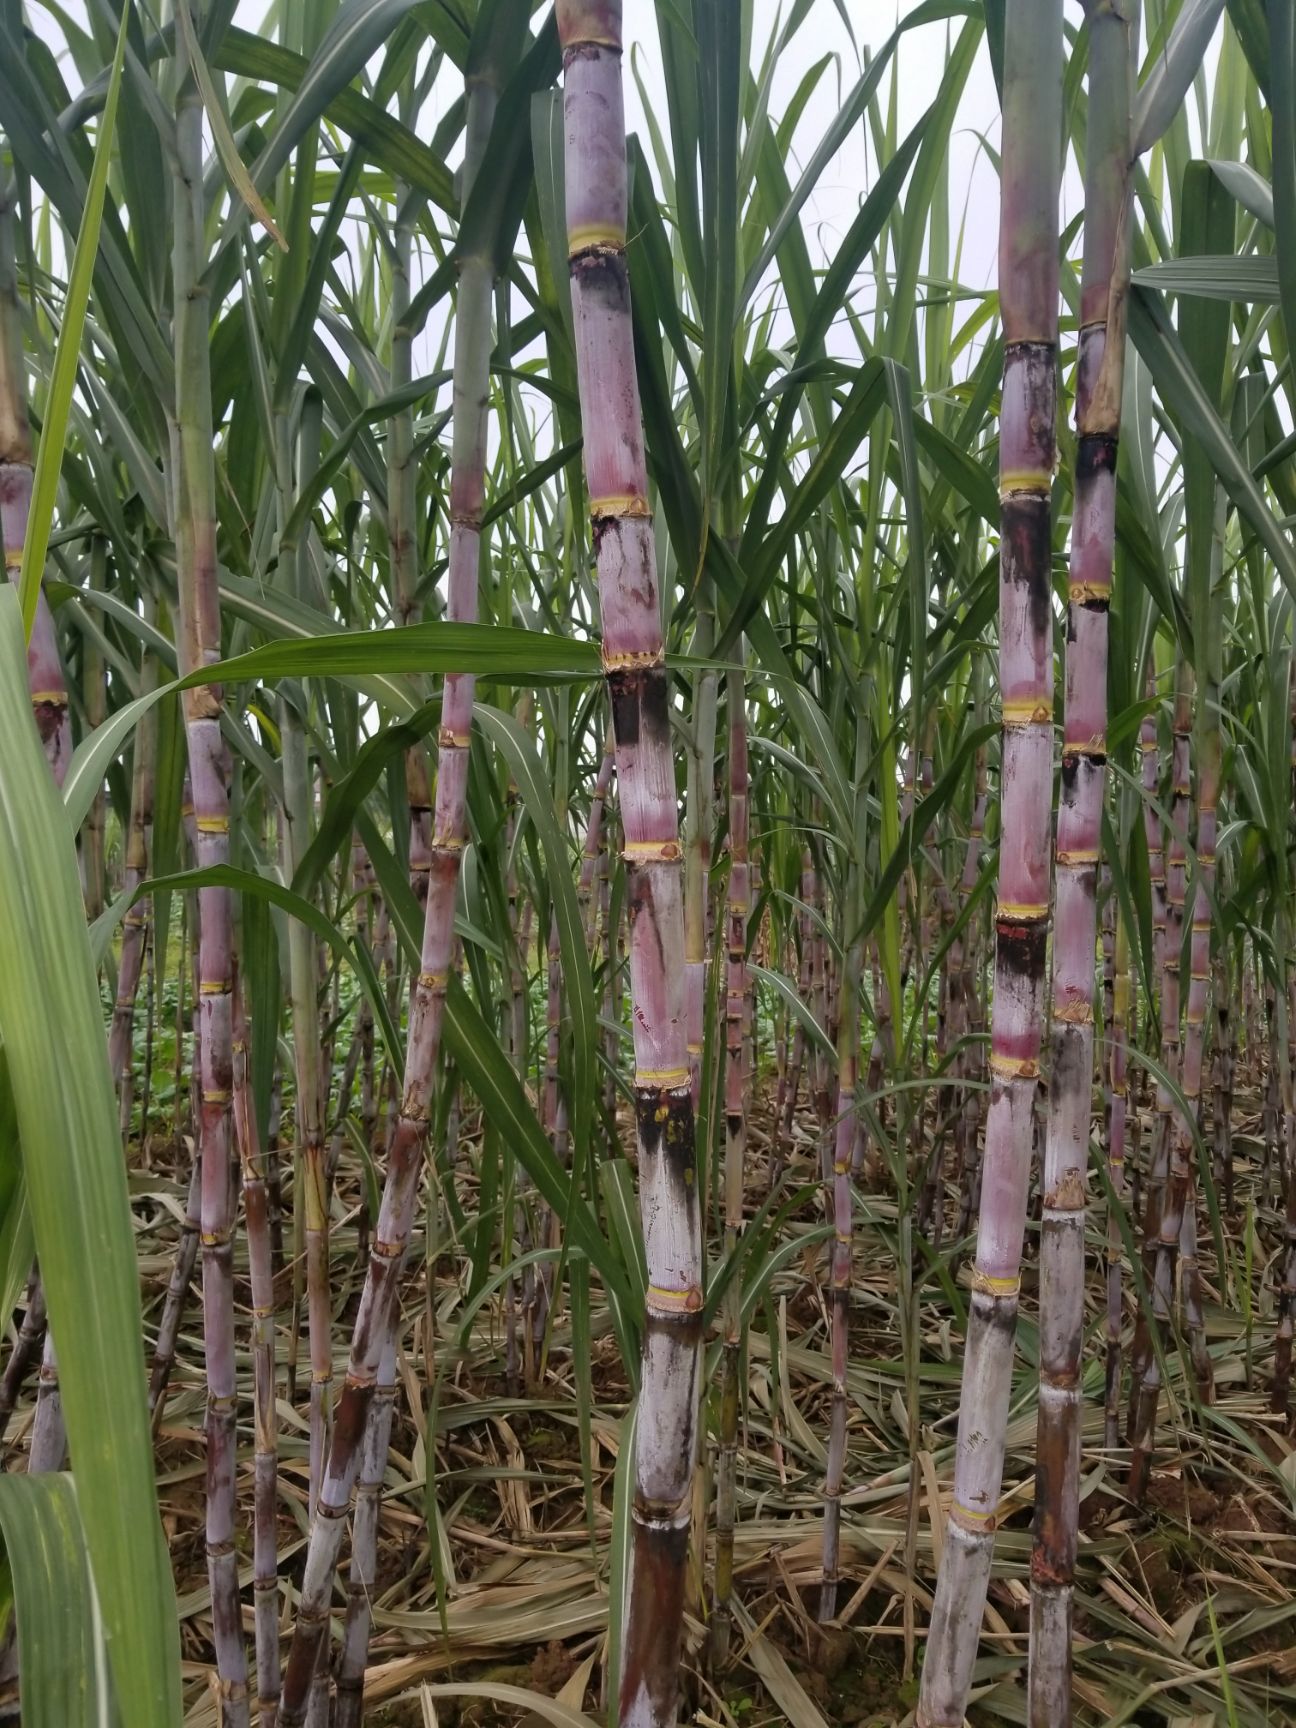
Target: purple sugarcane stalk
x=1099 y=376
x=364 y=1544
x=1162 y=1222
x=1115 y=940
x=1028 y=279
x=265 y=1466
x=963 y=953
x=737 y=912
x=376 y=1314
x=402 y=544
x=1159 y=1152
x=186 y=1256
x=639 y=690
x=136 y=925
x=26 y=1350
x=699 y=823
x=592 y=849
x=94 y=690
x=784 y=1143
x=1281 y=1086
x=200 y=645
x=840 y=1275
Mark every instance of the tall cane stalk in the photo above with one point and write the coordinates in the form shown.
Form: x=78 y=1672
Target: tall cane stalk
x=639 y=689
x=1099 y=376
x=200 y=645
x=1028 y=278
x=736 y=1080
x=265 y=1464
x=377 y=1310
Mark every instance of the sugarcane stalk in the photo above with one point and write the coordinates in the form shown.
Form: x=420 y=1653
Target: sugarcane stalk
x=303 y=971
x=1196 y=1031
x=963 y=954
x=1117 y=1115
x=402 y=543
x=638 y=688
x=592 y=848
x=1222 y=1083
x=1154 y=1188
x=265 y=1465
x=376 y=1311
x=364 y=1544
x=200 y=645
x=1163 y=1214
x=1028 y=279
x=698 y=828
x=1099 y=377
x=737 y=913
x=94 y=693
x=26 y=1350
x=137 y=924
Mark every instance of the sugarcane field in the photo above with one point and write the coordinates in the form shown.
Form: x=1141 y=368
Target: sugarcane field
x=647 y=863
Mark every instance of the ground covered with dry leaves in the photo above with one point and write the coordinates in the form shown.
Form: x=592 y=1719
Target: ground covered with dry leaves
x=1184 y=1609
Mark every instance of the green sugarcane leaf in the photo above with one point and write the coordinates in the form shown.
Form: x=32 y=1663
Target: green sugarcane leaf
x=285 y=619
x=617 y=1186
x=1160 y=97
x=42 y=149
x=968 y=477
x=214 y=105
x=61 y=1632
x=1282 y=60
x=253 y=885
x=500 y=190
x=832 y=459
x=93 y=755
x=1172 y=370
x=1248 y=18
x=58 y=402
x=719 y=84
x=386 y=142
x=787 y=989
x=1252 y=191
x=476 y=1053
x=51 y=1021
x=358 y=28
x=497 y=651
x=846 y=118
x=1251 y=278
x=913 y=830
x=536 y=791
x=338 y=815
x=900 y=398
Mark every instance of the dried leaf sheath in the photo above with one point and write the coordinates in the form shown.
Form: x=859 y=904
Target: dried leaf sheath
x=630 y=605
x=1028 y=294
